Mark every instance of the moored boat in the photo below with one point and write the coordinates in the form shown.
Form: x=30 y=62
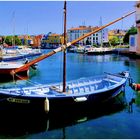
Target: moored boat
x=16 y=54
x=6 y=67
x=81 y=92
x=94 y=51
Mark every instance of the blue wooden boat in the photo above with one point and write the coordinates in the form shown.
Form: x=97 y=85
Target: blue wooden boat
x=79 y=93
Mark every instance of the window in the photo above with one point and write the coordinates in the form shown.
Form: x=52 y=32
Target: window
x=132 y=41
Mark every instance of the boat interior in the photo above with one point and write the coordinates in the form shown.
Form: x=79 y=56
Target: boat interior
x=81 y=86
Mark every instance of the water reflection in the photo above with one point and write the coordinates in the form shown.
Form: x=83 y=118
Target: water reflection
x=70 y=118
x=137 y=99
x=133 y=66
x=95 y=58
x=50 y=70
x=25 y=125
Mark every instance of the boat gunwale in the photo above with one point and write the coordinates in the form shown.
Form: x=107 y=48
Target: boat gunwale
x=36 y=95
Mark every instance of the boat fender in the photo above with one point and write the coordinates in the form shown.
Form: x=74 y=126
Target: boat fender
x=33 y=67
x=26 y=61
x=80 y=99
x=136 y=86
x=46 y=105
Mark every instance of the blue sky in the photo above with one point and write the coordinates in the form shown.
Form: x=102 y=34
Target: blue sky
x=37 y=17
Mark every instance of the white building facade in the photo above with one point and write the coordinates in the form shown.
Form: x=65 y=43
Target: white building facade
x=97 y=38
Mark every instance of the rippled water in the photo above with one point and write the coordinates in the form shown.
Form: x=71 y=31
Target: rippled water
x=107 y=121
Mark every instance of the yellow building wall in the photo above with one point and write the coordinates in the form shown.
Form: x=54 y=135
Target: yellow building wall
x=53 y=39
x=112 y=34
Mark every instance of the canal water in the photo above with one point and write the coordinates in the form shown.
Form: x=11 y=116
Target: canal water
x=113 y=120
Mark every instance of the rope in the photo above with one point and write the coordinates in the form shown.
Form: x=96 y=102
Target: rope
x=29 y=81
x=14 y=81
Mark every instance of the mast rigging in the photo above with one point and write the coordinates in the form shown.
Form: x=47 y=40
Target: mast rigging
x=64 y=54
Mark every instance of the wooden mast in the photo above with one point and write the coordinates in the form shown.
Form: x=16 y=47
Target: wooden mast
x=67 y=45
x=13 y=39
x=64 y=54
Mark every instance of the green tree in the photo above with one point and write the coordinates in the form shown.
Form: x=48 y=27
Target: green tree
x=25 y=41
x=12 y=40
x=17 y=41
x=8 y=40
x=2 y=39
x=114 y=40
x=131 y=31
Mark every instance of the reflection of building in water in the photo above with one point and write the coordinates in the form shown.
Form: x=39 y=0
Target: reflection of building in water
x=133 y=66
x=137 y=100
x=134 y=40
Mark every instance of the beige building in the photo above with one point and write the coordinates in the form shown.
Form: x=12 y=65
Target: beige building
x=138 y=26
x=117 y=33
x=52 y=40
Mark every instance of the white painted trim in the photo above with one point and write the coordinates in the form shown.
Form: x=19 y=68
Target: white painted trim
x=58 y=49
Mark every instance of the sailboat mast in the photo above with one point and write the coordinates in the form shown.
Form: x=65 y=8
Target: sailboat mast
x=101 y=32
x=64 y=54
x=13 y=28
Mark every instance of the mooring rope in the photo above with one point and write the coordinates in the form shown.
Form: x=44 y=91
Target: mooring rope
x=29 y=81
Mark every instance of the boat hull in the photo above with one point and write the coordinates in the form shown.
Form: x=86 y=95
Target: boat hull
x=5 y=74
x=70 y=103
x=59 y=104
x=7 y=71
x=98 y=52
x=21 y=104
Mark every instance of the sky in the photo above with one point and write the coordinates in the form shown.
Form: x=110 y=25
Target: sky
x=41 y=17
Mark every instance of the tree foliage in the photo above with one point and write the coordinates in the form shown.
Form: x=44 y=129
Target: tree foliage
x=17 y=41
x=131 y=31
x=114 y=40
x=12 y=40
x=8 y=40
